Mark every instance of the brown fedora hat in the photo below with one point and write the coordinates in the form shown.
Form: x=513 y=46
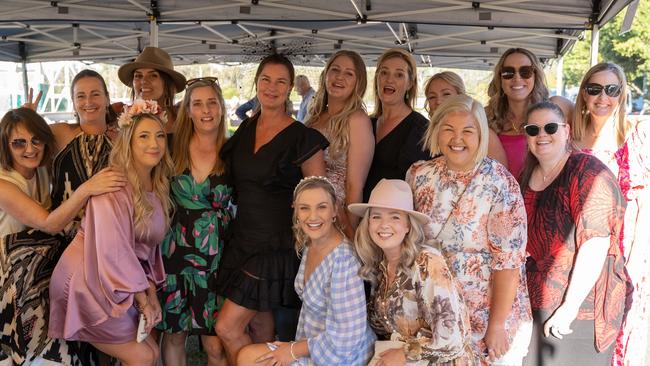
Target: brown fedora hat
x=152 y=58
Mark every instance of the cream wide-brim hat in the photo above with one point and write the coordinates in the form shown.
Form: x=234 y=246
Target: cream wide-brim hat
x=152 y=58
x=394 y=194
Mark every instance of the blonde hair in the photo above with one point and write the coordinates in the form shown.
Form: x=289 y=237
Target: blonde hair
x=371 y=255
x=458 y=103
x=313 y=182
x=582 y=117
x=497 y=107
x=450 y=78
x=184 y=130
x=122 y=158
x=411 y=94
x=337 y=126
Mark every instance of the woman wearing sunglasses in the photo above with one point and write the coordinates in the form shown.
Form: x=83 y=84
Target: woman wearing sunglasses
x=576 y=274
x=518 y=81
x=192 y=248
x=601 y=127
x=26 y=148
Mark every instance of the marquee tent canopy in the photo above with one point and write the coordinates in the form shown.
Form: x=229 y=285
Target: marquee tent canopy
x=441 y=33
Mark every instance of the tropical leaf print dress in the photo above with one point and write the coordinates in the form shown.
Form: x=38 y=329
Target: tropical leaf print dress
x=191 y=253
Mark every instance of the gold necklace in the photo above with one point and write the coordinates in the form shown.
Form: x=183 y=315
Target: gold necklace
x=550 y=173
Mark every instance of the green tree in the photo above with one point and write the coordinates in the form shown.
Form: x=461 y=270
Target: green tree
x=629 y=50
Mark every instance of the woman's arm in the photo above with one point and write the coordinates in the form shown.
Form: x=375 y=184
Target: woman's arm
x=360 y=152
x=496 y=150
x=315 y=165
x=588 y=266
x=27 y=211
x=504 y=288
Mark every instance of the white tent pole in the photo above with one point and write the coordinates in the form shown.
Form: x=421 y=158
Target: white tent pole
x=153 y=32
x=25 y=81
x=595 y=37
x=559 y=75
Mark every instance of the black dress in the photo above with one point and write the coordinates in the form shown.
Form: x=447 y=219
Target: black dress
x=395 y=153
x=259 y=263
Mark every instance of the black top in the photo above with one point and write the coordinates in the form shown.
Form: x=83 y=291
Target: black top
x=395 y=153
x=262 y=243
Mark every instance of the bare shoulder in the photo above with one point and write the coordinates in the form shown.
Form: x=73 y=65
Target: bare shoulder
x=360 y=123
x=64 y=133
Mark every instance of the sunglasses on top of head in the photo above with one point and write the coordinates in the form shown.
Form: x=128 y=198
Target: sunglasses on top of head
x=21 y=144
x=550 y=128
x=612 y=90
x=207 y=79
x=526 y=72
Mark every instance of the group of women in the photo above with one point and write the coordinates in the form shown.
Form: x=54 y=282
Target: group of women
x=503 y=235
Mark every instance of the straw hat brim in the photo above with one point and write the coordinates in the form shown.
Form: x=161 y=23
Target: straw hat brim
x=359 y=209
x=125 y=73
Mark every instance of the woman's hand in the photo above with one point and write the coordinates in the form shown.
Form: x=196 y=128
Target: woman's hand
x=105 y=181
x=496 y=341
x=281 y=356
x=392 y=357
x=153 y=300
x=30 y=103
x=559 y=323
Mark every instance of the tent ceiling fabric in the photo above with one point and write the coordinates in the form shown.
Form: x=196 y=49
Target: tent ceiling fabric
x=442 y=33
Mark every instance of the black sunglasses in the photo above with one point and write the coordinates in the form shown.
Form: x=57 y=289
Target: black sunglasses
x=549 y=128
x=21 y=144
x=526 y=72
x=612 y=90
x=207 y=79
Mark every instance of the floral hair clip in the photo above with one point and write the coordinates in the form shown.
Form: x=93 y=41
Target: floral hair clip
x=140 y=106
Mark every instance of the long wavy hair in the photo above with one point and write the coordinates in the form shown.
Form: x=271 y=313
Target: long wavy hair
x=582 y=117
x=411 y=94
x=33 y=123
x=313 y=182
x=111 y=115
x=184 y=130
x=531 y=161
x=371 y=255
x=121 y=158
x=450 y=78
x=337 y=126
x=497 y=107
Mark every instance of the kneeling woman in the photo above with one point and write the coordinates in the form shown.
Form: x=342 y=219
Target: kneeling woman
x=111 y=269
x=333 y=327
x=415 y=299
x=576 y=276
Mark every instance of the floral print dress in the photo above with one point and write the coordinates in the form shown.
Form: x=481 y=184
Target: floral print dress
x=423 y=308
x=485 y=233
x=191 y=253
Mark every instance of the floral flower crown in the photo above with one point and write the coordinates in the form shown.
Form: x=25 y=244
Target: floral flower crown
x=313 y=178
x=140 y=106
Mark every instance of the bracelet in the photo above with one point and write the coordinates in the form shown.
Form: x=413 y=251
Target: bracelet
x=291 y=351
x=141 y=308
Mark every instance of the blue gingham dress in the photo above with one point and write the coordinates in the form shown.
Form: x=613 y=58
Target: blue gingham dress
x=333 y=317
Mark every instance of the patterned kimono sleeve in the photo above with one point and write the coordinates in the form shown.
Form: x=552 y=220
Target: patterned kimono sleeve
x=597 y=205
x=113 y=271
x=346 y=320
x=443 y=310
x=507 y=228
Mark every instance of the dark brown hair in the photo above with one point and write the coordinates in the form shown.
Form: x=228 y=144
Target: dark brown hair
x=35 y=124
x=531 y=161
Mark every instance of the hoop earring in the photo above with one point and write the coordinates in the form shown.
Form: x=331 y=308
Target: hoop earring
x=334 y=219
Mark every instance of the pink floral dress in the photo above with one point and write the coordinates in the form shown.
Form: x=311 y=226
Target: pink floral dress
x=631 y=164
x=486 y=233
